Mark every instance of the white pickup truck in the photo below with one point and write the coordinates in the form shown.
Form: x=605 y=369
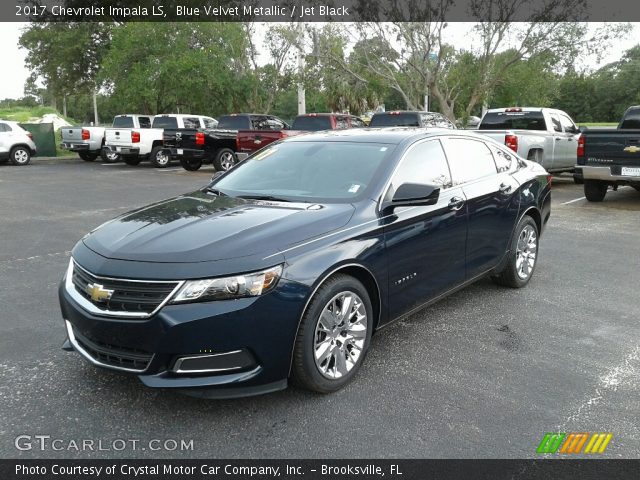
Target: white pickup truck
x=88 y=142
x=136 y=144
x=544 y=135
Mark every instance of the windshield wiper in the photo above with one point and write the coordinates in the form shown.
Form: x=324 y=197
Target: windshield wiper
x=264 y=197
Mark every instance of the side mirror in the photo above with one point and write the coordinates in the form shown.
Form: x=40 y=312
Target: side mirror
x=414 y=194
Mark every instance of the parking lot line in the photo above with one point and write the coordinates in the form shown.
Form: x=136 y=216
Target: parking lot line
x=164 y=170
x=108 y=164
x=574 y=200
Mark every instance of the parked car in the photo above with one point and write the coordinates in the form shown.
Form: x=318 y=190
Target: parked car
x=88 y=142
x=410 y=119
x=610 y=158
x=137 y=144
x=16 y=144
x=285 y=265
x=544 y=135
x=314 y=122
x=194 y=147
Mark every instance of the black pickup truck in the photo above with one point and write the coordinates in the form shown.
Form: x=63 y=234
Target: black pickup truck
x=610 y=157
x=194 y=147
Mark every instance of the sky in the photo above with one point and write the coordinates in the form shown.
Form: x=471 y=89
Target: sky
x=13 y=58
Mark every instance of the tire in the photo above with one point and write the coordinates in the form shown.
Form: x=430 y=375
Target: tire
x=132 y=160
x=87 y=156
x=160 y=157
x=637 y=187
x=595 y=190
x=522 y=256
x=20 y=155
x=224 y=159
x=191 y=164
x=329 y=374
x=110 y=157
x=578 y=180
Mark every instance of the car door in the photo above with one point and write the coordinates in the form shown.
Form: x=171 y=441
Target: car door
x=556 y=156
x=5 y=137
x=490 y=201
x=569 y=142
x=425 y=245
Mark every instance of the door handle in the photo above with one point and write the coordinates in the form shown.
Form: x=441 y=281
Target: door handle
x=557 y=139
x=504 y=188
x=456 y=203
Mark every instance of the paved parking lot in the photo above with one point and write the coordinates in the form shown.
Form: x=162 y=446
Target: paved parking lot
x=484 y=373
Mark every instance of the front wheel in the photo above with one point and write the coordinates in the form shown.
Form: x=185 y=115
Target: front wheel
x=109 y=156
x=87 y=157
x=132 y=160
x=523 y=256
x=334 y=335
x=225 y=159
x=160 y=157
x=191 y=164
x=20 y=156
x=595 y=190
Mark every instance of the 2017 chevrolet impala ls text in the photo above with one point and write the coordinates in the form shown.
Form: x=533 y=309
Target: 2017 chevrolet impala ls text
x=284 y=266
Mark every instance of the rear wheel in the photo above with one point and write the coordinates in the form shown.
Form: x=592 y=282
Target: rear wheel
x=131 y=160
x=225 y=159
x=20 y=155
x=87 y=156
x=191 y=164
x=160 y=157
x=578 y=180
x=595 y=190
x=109 y=156
x=334 y=335
x=523 y=256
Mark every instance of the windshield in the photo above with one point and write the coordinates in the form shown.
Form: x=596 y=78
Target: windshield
x=631 y=120
x=312 y=171
x=165 y=122
x=395 y=120
x=312 y=124
x=233 y=122
x=513 y=121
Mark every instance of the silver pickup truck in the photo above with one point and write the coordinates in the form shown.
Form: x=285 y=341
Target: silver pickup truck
x=88 y=142
x=544 y=135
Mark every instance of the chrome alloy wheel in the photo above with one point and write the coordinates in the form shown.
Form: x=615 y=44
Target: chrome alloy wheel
x=526 y=252
x=112 y=156
x=227 y=161
x=340 y=335
x=162 y=158
x=21 y=156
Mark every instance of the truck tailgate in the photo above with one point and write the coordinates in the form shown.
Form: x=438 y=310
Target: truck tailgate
x=181 y=138
x=72 y=134
x=619 y=147
x=118 y=136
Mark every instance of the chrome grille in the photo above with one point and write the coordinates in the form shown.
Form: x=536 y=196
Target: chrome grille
x=137 y=298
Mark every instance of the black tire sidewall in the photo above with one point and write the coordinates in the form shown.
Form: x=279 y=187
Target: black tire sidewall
x=217 y=162
x=15 y=150
x=305 y=370
x=133 y=161
x=191 y=164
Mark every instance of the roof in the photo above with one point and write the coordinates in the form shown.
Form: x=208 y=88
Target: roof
x=390 y=135
x=325 y=114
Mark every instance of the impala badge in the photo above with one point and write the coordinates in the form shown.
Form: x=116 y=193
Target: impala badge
x=98 y=293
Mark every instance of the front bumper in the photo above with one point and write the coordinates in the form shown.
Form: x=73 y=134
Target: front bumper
x=250 y=341
x=123 y=150
x=610 y=174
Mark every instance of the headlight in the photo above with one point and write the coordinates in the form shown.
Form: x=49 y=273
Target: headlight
x=236 y=286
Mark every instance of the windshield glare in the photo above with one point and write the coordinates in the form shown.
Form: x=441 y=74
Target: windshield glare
x=307 y=171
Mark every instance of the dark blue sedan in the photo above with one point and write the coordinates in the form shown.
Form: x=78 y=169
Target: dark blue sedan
x=283 y=267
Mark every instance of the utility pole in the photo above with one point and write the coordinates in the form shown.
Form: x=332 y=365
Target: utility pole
x=302 y=104
x=95 y=108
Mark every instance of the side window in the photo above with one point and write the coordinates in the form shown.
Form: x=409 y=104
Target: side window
x=568 y=124
x=257 y=123
x=469 y=159
x=423 y=163
x=356 y=122
x=4 y=127
x=557 y=127
x=209 y=123
x=145 y=122
x=504 y=160
x=274 y=123
x=190 y=122
x=341 y=123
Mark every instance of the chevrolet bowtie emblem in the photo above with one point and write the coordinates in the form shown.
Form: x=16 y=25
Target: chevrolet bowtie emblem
x=98 y=293
x=632 y=149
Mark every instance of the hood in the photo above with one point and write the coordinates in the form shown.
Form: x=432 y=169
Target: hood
x=202 y=227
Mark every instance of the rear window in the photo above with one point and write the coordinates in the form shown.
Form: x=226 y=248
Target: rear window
x=395 y=120
x=513 y=121
x=233 y=122
x=123 y=122
x=165 y=122
x=631 y=120
x=312 y=124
